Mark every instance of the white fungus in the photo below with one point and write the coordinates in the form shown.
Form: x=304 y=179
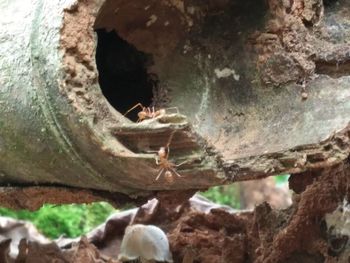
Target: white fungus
x=146 y=243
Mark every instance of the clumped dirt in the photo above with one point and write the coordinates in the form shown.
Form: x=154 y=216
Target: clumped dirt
x=295 y=234
x=79 y=61
x=80 y=75
x=215 y=237
x=296 y=43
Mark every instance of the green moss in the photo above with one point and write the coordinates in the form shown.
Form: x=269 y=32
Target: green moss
x=69 y=220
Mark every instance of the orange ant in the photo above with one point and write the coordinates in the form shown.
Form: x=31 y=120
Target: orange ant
x=165 y=165
x=147 y=112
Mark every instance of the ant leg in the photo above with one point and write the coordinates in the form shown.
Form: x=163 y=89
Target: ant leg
x=153 y=112
x=174 y=171
x=170 y=138
x=160 y=173
x=177 y=165
x=134 y=107
x=147 y=110
x=167 y=152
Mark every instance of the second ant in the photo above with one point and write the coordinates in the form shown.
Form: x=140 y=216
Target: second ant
x=148 y=112
x=165 y=166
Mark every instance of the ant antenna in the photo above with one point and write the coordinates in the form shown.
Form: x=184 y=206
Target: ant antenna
x=170 y=138
x=134 y=107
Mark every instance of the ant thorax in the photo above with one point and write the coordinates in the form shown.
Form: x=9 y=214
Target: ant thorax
x=142 y=115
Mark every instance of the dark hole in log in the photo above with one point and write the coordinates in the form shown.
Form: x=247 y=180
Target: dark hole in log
x=123 y=75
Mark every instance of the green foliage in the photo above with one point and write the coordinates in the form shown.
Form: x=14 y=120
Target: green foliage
x=281 y=179
x=229 y=194
x=69 y=220
x=225 y=195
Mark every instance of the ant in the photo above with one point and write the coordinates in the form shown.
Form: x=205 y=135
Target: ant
x=164 y=164
x=147 y=112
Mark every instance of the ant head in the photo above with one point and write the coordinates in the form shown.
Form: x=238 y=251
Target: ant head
x=169 y=177
x=162 y=152
x=142 y=115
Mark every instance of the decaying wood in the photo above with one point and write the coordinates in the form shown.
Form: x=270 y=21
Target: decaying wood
x=34 y=197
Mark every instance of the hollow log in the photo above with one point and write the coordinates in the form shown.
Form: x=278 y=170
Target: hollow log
x=260 y=88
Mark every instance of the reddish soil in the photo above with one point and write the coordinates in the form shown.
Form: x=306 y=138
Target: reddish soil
x=200 y=231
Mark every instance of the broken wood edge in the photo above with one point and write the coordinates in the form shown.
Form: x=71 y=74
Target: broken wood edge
x=327 y=153
x=34 y=197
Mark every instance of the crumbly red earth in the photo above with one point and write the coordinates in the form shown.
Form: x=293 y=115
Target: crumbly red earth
x=204 y=232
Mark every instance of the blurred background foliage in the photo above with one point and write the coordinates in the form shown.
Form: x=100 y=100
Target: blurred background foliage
x=68 y=220
x=230 y=194
x=224 y=195
x=281 y=179
x=76 y=219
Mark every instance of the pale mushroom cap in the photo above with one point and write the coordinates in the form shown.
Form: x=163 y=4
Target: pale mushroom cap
x=145 y=242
